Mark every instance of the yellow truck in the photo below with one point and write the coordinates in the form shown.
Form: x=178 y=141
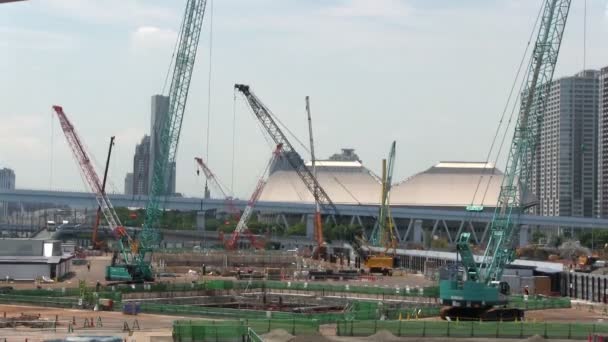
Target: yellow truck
x=380 y=264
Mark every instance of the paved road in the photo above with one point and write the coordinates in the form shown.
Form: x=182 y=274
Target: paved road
x=43 y=235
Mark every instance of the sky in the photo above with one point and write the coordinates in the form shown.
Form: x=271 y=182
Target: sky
x=432 y=75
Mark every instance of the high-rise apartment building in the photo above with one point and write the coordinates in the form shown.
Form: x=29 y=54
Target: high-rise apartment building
x=602 y=167
x=565 y=175
x=7 y=182
x=159 y=112
x=141 y=167
x=129 y=184
x=7 y=179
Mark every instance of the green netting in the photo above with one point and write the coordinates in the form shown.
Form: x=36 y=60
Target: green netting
x=229 y=284
x=188 y=310
x=538 y=303
x=39 y=301
x=420 y=328
x=197 y=330
x=252 y=336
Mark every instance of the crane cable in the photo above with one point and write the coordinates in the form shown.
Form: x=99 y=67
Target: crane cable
x=503 y=115
x=209 y=84
x=585 y=34
x=233 y=140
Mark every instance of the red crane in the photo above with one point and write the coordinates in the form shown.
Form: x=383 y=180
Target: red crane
x=241 y=227
x=232 y=209
x=90 y=175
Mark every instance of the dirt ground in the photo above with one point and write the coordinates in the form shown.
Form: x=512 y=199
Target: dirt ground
x=98 y=268
x=572 y=315
x=105 y=323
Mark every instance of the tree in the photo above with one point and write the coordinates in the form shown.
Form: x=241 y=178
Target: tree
x=297 y=229
x=537 y=236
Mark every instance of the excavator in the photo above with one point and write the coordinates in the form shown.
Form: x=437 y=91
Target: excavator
x=472 y=291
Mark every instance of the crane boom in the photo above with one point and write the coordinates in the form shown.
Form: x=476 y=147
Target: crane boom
x=97 y=244
x=232 y=209
x=264 y=115
x=383 y=235
x=171 y=126
x=318 y=225
x=242 y=224
x=480 y=286
x=90 y=175
x=210 y=176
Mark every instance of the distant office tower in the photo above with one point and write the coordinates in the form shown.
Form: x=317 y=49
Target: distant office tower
x=602 y=167
x=129 y=184
x=7 y=182
x=141 y=167
x=160 y=110
x=565 y=180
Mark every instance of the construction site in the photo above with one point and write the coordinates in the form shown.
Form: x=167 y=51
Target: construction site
x=322 y=250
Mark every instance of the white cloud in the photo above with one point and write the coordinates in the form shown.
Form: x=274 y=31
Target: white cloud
x=370 y=9
x=150 y=37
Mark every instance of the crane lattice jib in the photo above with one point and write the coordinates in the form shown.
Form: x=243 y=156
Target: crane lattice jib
x=518 y=173
x=289 y=152
x=210 y=176
x=382 y=235
x=171 y=126
x=90 y=175
x=242 y=224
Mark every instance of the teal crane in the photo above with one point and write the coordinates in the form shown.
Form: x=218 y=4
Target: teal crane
x=170 y=128
x=383 y=235
x=474 y=291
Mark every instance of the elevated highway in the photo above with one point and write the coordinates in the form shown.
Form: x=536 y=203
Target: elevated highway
x=410 y=222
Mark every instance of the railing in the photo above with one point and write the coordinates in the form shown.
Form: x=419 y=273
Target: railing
x=187 y=330
x=415 y=328
x=427 y=292
x=252 y=336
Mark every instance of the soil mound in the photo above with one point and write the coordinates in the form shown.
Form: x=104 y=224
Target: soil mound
x=383 y=335
x=278 y=335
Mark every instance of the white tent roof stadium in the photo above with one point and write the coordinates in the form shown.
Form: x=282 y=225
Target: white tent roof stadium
x=444 y=185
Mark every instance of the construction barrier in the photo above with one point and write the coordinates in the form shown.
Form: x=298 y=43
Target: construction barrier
x=111 y=291
x=39 y=301
x=187 y=310
x=415 y=328
x=186 y=330
x=539 y=302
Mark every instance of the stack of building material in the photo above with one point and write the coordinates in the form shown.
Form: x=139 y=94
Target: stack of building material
x=542 y=285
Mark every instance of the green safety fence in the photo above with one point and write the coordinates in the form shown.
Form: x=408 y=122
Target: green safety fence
x=243 y=285
x=39 y=301
x=188 y=310
x=418 y=328
x=539 y=303
x=252 y=336
x=187 y=330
